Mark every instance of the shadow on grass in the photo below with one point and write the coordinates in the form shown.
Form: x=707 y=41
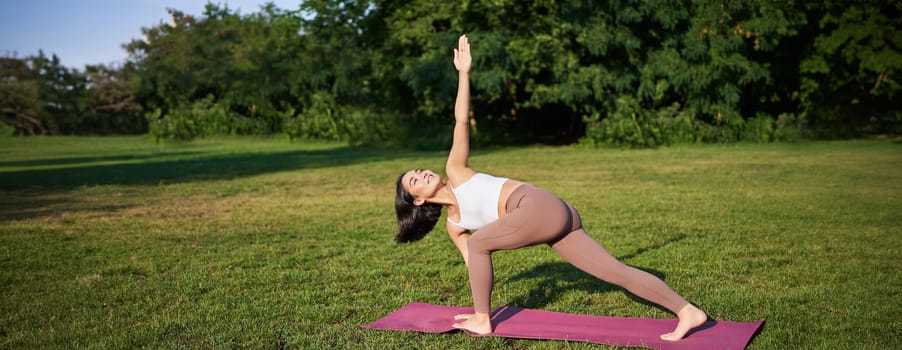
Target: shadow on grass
x=557 y=278
x=34 y=193
x=215 y=167
x=90 y=159
x=31 y=204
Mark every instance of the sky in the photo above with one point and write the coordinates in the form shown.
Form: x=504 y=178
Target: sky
x=82 y=32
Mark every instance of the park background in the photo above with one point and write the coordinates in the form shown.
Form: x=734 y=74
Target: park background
x=230 y=184
x=627 y=73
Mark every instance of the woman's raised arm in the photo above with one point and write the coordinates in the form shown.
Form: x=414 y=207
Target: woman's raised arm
x=456 y=168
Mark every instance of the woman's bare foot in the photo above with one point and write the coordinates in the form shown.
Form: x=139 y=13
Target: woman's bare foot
x=690 y=317
x=478 y=323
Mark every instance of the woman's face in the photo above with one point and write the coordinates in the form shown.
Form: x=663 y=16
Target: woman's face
x=421 y=184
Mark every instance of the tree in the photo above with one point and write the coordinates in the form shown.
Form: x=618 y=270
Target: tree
x=63 y=92
x=114 y=108
x=20 y=104
x=850 y=76
x=640 y=73
x=240 y=73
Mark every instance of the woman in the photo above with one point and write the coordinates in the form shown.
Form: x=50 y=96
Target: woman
x=509 y=214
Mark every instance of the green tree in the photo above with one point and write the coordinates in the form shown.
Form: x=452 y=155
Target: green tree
x=247 y=68
x=20 y=103
x=63 y=92
x=850 y=76
x=636 y=73
x=114 y=108
x=544 y=65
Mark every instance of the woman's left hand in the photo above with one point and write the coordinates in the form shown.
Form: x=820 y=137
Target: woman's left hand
x=462 y=58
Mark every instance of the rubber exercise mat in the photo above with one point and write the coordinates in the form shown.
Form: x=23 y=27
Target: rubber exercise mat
x=513 y=322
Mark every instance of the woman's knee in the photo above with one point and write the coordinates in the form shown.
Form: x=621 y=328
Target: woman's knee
x=477 y=245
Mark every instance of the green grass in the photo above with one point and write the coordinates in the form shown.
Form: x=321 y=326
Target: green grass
x=260 y=243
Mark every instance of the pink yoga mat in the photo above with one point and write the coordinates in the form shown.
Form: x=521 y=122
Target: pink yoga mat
x=513 y=322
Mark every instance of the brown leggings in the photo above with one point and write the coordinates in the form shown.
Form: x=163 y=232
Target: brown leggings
x=535 y=216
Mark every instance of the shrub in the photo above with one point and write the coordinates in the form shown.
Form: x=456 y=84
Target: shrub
x=6 y=130
x=322 y=119
x=758 y=129
x=790 y=128
x=632 y=126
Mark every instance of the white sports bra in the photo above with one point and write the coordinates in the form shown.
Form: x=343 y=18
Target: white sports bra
x=477 y=200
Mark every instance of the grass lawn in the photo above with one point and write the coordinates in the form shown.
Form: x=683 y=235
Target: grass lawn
x=260 y=243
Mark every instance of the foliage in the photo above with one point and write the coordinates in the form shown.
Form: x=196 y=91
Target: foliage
x=203 y=117
x=246 y=65
x=630 y=125
x=322 y=119
x=63 y=92
x=850 y=80
x=115 y=108
x=6 y=130
x=791 y=128
x=20 y=105
x=38 y=95
x=645 y=73
x=758 y=129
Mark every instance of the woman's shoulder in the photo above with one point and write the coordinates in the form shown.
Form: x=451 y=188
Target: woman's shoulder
x=458 y=176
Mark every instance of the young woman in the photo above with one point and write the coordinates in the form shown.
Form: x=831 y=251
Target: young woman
x=487 y=213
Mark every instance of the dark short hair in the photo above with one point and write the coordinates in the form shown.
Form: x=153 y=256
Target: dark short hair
x=414 y=221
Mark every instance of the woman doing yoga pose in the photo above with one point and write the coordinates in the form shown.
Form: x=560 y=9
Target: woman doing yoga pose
x=487 y=214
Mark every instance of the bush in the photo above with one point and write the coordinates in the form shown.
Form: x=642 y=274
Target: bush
x=631 y=125
x=322 y=119
x=682 y=127
x=204 y=117
x=790 y=128
x=7 y=130
x=177 y=125
x=627 y=126
x=758 y=129
x=367 y=127
x=325 y=119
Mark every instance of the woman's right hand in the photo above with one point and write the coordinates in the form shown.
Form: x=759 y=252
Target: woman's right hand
x=462 y=58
